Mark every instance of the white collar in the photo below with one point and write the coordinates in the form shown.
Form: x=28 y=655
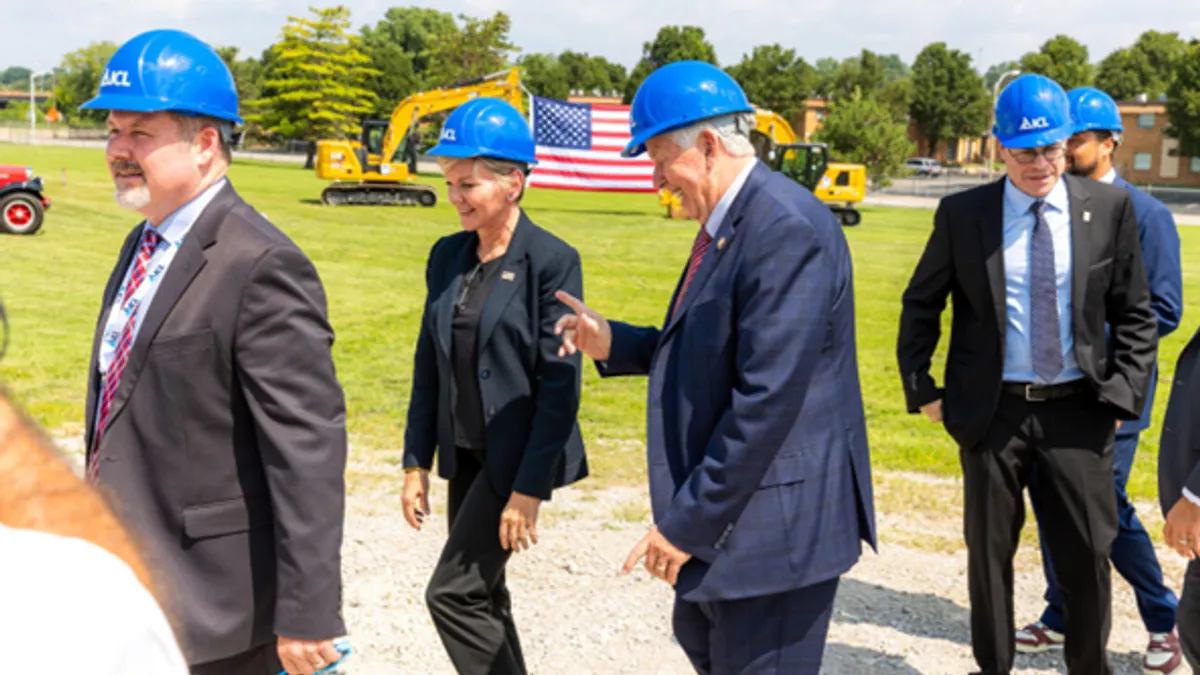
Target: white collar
x=718 y=213
x=1109 y=177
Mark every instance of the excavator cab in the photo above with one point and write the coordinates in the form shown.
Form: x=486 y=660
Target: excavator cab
x=371 y=144
x=804 y=163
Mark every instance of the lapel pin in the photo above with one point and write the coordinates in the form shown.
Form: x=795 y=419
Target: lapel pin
x=1087 y=216
x=721 y=243
x=507 y=276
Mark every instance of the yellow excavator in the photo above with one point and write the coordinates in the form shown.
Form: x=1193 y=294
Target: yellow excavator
x=839 y=184
x=362 y=168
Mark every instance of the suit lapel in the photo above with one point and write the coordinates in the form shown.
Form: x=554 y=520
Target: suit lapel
x=184 y=267
x=110 y=292
x=1080 y=246
x=512 y=271
x=717 y=248
x=991 y=231
x=444 y=312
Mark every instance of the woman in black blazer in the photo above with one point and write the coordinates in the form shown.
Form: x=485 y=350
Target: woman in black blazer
x=490 y=394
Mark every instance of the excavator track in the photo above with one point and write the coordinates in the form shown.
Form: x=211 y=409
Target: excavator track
x=378 y=194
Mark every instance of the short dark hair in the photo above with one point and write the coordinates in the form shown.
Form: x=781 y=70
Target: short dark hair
x=190 y=125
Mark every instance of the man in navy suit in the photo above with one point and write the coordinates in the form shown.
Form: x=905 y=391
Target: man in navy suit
x=1097 y=132
x=759 y=471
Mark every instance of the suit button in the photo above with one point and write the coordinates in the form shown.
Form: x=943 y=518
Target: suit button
x=485 y=374
x=491 y=411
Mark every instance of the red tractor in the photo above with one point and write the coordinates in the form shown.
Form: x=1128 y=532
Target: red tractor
x=23 y=202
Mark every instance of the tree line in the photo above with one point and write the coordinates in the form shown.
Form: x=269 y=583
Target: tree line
x=320 y=79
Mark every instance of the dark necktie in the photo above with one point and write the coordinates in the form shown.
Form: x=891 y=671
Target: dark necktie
x=699 y=247
x=1043 y=300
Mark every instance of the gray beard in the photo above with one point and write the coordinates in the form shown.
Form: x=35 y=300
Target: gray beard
x=133 y=199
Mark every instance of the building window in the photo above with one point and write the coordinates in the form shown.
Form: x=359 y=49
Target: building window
x=1146 y=120
x=1196 y=165
x=1141 y=161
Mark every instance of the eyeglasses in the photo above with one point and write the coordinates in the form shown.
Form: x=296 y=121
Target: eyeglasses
x=1052 y=153
x=468 y=282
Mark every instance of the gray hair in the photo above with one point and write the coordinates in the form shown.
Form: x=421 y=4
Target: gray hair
x=190 y=125
x=503 y=170
x=733 y=130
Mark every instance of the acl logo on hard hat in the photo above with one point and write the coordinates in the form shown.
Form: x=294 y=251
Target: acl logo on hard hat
x=1035 y=123
x=115 y=78
x=448 y=135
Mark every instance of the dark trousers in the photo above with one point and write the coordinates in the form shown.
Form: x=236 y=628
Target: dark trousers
x=769 y=635
x=1132 y=554
x=467 y=596
x=1069 y=443
x=1189 y=616
x=262 y=660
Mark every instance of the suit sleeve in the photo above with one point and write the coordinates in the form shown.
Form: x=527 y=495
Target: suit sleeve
x=420 y=430
x=1134 y=332
x=785 y=297
x=557 y=382
x=1160 y=255
x=284 y=364
x=631 y=351
x=921 y=314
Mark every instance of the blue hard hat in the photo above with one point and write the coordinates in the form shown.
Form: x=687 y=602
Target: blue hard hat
x=1093 y=110
x=1031 y=112
x=677 y=95
x=486 y=127
x=168 y=70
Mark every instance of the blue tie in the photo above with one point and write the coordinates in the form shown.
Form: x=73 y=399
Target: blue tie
x=1043 y=300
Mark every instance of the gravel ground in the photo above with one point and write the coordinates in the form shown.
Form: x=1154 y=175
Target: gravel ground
x=898 y=612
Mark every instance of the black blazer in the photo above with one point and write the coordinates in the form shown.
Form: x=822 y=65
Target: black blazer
x=964 y=259
x=1179 y=445
x=530 y=396
x=226 y=445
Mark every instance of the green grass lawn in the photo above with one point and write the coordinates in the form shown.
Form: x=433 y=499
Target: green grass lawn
x=372 y=261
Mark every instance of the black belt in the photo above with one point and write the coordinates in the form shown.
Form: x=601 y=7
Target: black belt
x=1045 y=392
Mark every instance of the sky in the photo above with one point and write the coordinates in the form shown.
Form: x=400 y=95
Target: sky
x=38 y=33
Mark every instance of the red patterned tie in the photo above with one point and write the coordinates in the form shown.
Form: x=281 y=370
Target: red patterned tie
x=121 y=355
x=703 y=239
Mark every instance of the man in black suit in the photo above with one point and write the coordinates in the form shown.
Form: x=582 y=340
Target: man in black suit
x=1037 y=264
x=1179 y=490
x=215 y=420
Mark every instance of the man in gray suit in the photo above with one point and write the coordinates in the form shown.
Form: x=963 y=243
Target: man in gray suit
x=215 y=420
x=1179 y=490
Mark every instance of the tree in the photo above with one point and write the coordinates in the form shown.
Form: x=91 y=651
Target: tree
x=1147 y=67
x=247 y=73
x=894 y=68
x=864 y=73
x=775 y=78
x=15 y=77
x=545 y=76
x=827 y=69
x=949 y=100
x=1062 y=59
x=314 y=86
x=399 y=48
x=863 y=130
x=1183 y=103
x=480 y=48
x=673 y=43
x=898 y=97
x=997 y=71
x=79 y=80
x=592 y=74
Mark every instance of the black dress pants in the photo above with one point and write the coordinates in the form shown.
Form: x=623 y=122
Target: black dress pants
x=262 y=660
x=467 y=596
x=1070 y=441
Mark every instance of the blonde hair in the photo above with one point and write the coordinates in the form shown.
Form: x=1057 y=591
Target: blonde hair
x=501 y=169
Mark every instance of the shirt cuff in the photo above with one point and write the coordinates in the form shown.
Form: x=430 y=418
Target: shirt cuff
x=1191 y=497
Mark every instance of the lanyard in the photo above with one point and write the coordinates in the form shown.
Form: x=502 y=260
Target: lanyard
x=122 y=313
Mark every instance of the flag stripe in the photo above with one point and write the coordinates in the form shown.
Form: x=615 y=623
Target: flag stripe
x=578 y=147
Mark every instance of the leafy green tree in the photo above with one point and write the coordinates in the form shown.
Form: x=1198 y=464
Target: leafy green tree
x=544 y=75
x=673 y=43
x=1183 y=102
x=481 y=47
x=864 y=130
x=863 y=73
x=827 y=69
x=997 y=71
x=948 y=99
x=894 y=68
x=399 y=49
x=775 y=78
x=314 y=87
x=247 y=73
x=1146 y=67
x=1062 y=59
x=591 y=73
x=79 y=80
x=897 y=95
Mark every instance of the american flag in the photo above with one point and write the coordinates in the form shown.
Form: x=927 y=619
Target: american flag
x=579 y=148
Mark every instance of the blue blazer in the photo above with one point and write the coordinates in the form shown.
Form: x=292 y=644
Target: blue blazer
x=756 y=438
x=1160 y=253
